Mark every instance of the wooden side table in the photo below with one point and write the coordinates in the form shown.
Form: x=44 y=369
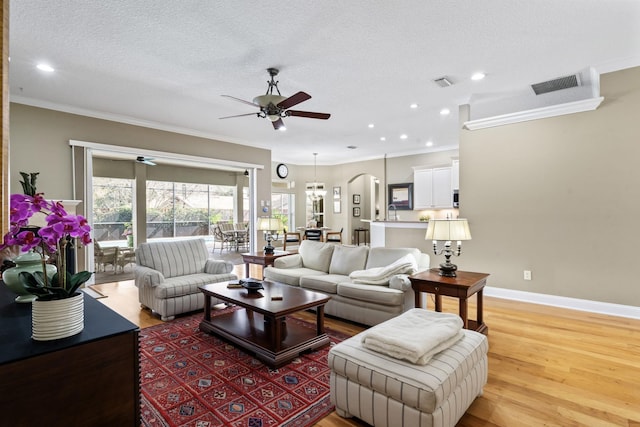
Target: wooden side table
x=464 y=285
x=260 y=258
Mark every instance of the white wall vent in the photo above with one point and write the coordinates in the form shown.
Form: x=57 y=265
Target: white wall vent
x=556 y=84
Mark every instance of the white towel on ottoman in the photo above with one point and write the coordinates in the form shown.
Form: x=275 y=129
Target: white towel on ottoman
x=415 y=335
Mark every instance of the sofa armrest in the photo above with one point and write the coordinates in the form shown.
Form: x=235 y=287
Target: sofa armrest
x=288 y=261
x=216 y=266
x=147 y=276
x=400 y=282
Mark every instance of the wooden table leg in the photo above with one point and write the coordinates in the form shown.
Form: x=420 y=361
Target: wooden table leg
x=320 y=320
x=246 y=269
x=207 y=308
x=438 y=299
x=418 y=299
x=276 y=327
x=479 y=307
x=463 y=312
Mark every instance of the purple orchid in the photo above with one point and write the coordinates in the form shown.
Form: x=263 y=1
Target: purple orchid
x=52 y=238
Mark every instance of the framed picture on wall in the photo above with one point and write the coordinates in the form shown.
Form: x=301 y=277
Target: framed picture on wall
x=356 y=211
x=336 y=206
x=336 y=192
x=356 y=199
x=401 y=196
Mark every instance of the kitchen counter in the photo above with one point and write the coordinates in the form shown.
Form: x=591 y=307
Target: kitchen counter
x=399 y=234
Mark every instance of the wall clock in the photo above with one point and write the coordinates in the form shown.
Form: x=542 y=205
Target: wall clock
x=282 y=170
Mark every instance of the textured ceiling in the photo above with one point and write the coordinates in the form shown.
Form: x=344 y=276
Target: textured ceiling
x=166 y=63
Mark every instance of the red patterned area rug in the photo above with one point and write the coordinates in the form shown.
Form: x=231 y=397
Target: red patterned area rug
x=191 y=378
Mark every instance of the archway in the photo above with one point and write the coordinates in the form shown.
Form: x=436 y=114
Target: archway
x=364 y=199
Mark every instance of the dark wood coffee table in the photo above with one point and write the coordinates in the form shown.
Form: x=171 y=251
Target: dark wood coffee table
x=260 y=326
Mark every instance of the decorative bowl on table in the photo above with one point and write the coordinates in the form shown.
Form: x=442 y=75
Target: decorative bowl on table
x=251 y=285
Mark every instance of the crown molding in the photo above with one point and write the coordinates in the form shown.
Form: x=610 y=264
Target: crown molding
x=535 y=114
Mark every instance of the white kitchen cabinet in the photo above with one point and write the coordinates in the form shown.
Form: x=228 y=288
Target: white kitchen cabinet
x=455 y=174
x=432 y=188
x=422 y=188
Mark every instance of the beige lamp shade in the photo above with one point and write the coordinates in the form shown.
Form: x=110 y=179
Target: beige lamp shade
x=269 y=224
x=448 y=229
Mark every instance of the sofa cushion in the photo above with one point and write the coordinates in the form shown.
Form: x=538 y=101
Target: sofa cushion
x=382 y=275
x=175 y=257
x=382 y=257
x=371 y=293
x=316 y=255
x=346 y=259
x=290 y=276
x=327 y=283
x=187 y=285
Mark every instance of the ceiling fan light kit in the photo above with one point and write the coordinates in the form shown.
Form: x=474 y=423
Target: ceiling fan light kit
x=275 y=107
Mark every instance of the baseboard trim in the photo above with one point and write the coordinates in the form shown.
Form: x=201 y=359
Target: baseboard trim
x=565 y=302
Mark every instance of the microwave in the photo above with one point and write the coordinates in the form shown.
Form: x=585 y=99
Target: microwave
x=456 y=199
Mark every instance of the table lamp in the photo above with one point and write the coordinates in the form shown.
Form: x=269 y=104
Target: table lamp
x=447 y=230
x=268 y=226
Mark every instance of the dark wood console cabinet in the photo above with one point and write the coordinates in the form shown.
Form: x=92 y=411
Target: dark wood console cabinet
x=90 y=379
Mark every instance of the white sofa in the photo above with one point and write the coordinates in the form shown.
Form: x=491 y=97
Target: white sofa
x=326 y=268
x=168 y=274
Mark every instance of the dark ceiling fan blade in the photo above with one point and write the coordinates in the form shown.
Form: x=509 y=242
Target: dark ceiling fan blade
x=145 y=160
x=294 y=99
x=308 y=114
x=240 y=115
x=241 y=100
x=278 y=124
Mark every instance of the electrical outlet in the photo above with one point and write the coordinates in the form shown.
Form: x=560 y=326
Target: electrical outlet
x=527 y=275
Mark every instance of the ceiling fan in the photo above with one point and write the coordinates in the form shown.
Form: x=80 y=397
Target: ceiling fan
x=275 y=107
x=145 y=160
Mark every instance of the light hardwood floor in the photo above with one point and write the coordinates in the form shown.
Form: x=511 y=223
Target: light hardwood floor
x=548 y=366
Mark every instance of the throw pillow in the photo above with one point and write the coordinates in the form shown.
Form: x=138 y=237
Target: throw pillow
x=346 y=259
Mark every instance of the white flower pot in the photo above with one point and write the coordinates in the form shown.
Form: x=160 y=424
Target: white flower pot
x=52 y=320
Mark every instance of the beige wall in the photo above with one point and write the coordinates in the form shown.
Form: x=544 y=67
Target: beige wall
x=347 y=176
x=40 y=143
x=558 y=197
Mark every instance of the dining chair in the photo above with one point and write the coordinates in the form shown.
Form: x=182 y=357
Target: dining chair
x=104 y=256
x=290 y=237
x=334 y=236
x=313 y=234
x=124 y=256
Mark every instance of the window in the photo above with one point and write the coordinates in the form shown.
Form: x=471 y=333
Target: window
x=176 y=209
x=282 y=206
x=112 y=208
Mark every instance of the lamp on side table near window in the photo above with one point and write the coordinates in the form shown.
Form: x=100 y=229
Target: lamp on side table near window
x=269 y=226
x=448 y=230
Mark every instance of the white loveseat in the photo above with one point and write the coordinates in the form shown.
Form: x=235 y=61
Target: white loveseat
x=336 y=270
x=168 y=274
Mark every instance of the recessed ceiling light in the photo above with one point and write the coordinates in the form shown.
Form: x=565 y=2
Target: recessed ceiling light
x=382 y=138
x=45 y=67
x=429 y=144
x=445 y=112
x=351 y=147
x=282 y=128
x=414 y=106
x=478 y=76
x=371 y=125
x=404 y=136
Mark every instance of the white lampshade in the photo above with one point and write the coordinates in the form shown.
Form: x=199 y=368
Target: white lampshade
x=448 y=229
x=269 y=224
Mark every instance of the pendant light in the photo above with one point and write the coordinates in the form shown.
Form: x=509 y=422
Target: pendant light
x=315 y=194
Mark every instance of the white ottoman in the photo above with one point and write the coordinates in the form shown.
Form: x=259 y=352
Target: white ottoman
x=384 y=391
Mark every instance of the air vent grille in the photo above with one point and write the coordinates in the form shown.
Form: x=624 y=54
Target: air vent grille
x=443 y=82
x=556 y=84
